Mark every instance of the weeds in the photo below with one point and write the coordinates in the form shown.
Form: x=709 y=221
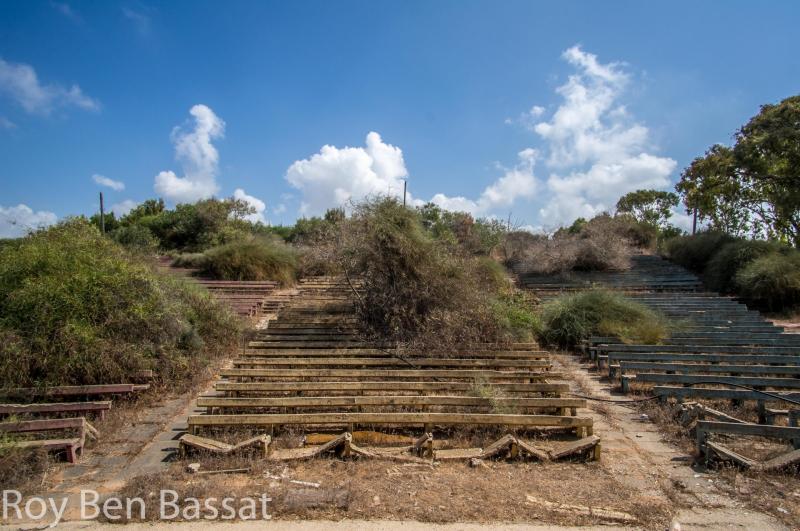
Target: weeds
x=253 y=259
x=570 y=319
x=76 y=308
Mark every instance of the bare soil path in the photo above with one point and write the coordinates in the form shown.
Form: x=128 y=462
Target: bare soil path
x=635 y=452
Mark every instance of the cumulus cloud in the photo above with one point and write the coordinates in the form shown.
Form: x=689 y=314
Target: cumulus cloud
x=109 y=183
x=259 y=206
x=592 y=148
x=123 y=207
x=596 y=151
x=198 y=158
x=334 y=176
x=17 y=220
x=516 y=183
x=20 y=82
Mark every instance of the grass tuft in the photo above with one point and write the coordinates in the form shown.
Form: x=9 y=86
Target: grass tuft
x=570 y=319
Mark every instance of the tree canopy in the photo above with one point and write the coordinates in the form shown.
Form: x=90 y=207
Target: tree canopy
x=648 y=206
x=752 y=188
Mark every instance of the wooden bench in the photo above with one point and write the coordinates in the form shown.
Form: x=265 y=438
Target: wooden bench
x=583 y=425
x=217 y=403
x=704 y=428
x=702 y=368
x=488 y=375
x=189 y=442
x=99 y=408
x=74 y=390
x=773 y=383
x=389 y=361
x=386 y=386
x=72 y=446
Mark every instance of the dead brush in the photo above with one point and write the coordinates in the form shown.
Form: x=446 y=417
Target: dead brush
x=427 y=294
x=601 y=244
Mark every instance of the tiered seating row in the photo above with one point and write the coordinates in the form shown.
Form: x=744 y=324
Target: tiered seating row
x=311 y=368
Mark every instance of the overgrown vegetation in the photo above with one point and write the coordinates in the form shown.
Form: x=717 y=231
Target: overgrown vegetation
x=254 y=258
x=570 y=319
x=751 y=189
x=77 y=308
x=425 y=277
x=765 y=273
x=603 y=243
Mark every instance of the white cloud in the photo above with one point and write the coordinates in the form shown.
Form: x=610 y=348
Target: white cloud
x=20 y=82
x=259 y=206
x=279 y=209
x=110 y=183
x=122 y=208
x=334 y=176
x=17 y=220
x=139 y=19
x=516 y=183
x=5 y=123
x=66 y=10
x=596 y=151
x=198 y=158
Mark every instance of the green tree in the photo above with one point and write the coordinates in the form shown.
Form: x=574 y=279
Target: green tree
x=752 y=188
x=648 y=206
x=768 y=153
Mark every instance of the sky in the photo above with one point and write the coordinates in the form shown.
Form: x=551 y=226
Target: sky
x=537 y=111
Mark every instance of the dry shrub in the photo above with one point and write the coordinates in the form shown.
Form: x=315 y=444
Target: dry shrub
x=600 y=244
x=419 y=290
x=22 y=469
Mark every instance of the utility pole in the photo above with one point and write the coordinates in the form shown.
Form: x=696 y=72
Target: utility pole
x=508 y=226
x=694 y=222
x=405 y=185
x=102 y=215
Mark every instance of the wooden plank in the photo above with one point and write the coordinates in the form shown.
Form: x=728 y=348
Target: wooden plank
x=714 y=394
x=347 y=352
x=780 y=462
x=761 y=430
x=73 y=390
x=56 y=407
x=700 y=368
x=782 y=383
x=391 y=362
x=704 y=358
x=387 y=386
x=697 y=349
x=574 y=447
x=398 y=419
x=385 y=373
x=24 y=426
x=387 y=400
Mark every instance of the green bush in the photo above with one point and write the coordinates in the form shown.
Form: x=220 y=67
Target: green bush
x=136 y=238
x=76 y=308
x=694 y=252
x=515 y=318
x=724 y=265
x=772 y=281
x=569 y=319
x=190 y=260
x=254 y=259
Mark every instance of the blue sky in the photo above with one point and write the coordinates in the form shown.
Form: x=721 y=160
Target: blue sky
x=547 y=110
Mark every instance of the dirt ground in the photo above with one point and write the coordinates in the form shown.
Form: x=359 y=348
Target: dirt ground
x=644 y=479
